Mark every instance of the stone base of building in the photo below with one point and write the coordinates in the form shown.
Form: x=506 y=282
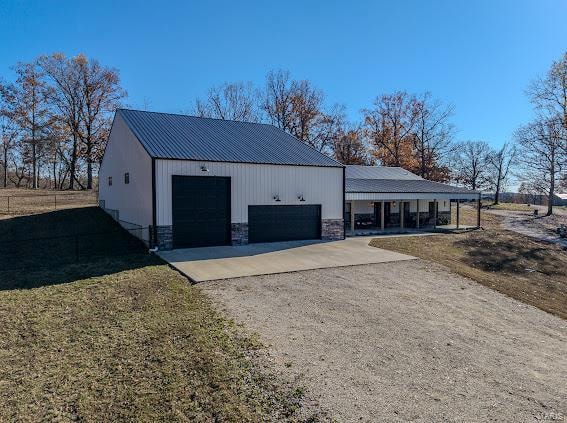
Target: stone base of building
x=239 y=233
x=162 y=237
x=332 y=229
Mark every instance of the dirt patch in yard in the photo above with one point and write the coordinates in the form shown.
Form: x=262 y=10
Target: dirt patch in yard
x=406 y=341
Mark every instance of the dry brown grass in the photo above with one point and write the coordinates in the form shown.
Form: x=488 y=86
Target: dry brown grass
x=20 y=201
x=510 y=206
x=121 y=339
x=136 y=345
x=525 y=269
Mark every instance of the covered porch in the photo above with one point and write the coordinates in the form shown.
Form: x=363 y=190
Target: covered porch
x=383 y=213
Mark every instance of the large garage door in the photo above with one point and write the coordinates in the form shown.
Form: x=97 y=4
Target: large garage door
x=201 y=211
x=283 y=223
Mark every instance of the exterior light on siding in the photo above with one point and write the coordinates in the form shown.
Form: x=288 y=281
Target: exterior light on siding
x=300 y=197
x=277 y=198
x=204 y=168
x=394 y=203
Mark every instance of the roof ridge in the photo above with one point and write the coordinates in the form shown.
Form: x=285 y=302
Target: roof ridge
x=194 y=116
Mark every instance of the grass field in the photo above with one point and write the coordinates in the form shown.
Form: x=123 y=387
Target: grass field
x=19 y=201
x=509 y=206
x=122 y=338
x=530 y=271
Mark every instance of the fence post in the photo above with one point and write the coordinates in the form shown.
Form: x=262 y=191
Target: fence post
x=76 y=248
x=8 y=204
x=55 y=201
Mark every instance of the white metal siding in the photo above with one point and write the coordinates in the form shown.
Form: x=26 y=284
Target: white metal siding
x=256 y=184
x=125 y=154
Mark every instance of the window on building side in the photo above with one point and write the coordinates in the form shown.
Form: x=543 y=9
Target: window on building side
x=110 y=181
x=127 y=178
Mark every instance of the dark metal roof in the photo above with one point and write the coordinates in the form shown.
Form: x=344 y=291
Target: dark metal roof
x=402 y=186
x=170 y=136
x=379 y=172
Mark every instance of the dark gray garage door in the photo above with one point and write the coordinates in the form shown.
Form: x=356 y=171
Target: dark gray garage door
x=283 y=223
x=201 y=211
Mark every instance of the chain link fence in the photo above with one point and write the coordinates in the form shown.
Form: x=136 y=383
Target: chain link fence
x=24 y=204
x=38 y=253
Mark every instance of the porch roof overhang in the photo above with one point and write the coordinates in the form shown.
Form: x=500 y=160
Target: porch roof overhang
x=400 y=196
x=394 y=189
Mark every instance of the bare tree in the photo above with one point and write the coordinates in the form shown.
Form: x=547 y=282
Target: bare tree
x=433 y=137
x=500 y=163
x=234 y=101
x=542 y=156
x=25 y=103
x=277 y=99
x=297 y=107
x=349 y=147
x=390 y=127
x=67 y=98
x=100 y=96
x=549 y=93
x=470 y=167
x=8 y=135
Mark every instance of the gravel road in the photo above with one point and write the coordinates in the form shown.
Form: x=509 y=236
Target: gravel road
x=542 y=228
x=405 y=341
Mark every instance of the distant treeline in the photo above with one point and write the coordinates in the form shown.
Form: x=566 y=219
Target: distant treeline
x=57 y=114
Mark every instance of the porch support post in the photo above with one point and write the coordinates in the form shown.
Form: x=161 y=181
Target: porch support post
x=458 y=203
x=382 y=216
x=417 y=222
x=434 y=214
x=352 y=217
x=401 y=214
x=478 y=213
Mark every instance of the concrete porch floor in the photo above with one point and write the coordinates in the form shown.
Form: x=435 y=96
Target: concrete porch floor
x=212 y=263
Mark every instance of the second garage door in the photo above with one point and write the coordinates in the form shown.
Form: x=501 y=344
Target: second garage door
x=284 y=223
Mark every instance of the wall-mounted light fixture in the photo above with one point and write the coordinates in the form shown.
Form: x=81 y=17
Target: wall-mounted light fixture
x=394 y=203
x=300 y=197
x=204 y=168
x=277 y=198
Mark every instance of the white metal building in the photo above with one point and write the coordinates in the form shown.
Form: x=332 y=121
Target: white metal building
x=186 y=181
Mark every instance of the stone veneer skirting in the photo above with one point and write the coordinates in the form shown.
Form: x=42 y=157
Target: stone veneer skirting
x=332 y=229
x=239 y=233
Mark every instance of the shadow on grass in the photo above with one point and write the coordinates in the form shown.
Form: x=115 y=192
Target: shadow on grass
x=64 y=246
x=495 y=252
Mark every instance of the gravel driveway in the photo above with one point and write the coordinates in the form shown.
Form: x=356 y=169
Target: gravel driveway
x=405 y=341
x=542 y=227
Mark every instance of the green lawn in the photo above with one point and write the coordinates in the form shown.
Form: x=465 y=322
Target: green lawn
x=123 y=338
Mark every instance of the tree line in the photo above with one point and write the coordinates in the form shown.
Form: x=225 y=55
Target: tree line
x=413 y=131
x=399 y=129
x=56 y=116
x=54 y=121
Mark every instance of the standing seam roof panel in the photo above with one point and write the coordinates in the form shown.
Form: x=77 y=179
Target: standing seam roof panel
x=169 y=136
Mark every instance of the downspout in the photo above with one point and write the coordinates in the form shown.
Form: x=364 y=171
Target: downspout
x=344 y=202
x=154 y=219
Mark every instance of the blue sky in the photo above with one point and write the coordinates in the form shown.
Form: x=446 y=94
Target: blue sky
x=479 y=55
